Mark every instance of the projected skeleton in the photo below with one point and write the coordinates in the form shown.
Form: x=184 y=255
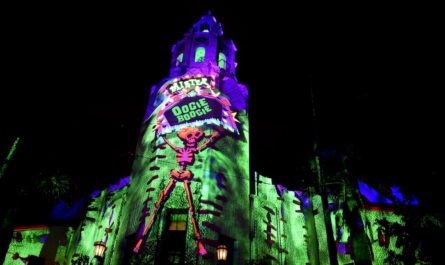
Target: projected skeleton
x=184 y=156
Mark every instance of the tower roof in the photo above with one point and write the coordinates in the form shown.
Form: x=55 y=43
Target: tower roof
x=207 y=23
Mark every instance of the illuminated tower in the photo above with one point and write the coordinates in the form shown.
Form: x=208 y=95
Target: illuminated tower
x=191 y=195
x=191 y=199
x=189 y=190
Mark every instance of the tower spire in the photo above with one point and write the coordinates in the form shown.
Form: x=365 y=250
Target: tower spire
x=204 y=49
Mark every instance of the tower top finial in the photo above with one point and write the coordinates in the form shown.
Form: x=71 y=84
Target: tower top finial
x=207 y=23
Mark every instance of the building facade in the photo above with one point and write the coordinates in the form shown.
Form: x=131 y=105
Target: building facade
x=192 y=197
x=191 y=190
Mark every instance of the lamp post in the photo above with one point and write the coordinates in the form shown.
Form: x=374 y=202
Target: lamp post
x=99 y=249
x=221 y=253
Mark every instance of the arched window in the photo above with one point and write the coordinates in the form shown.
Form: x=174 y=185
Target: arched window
x=205 y=27
x=200 y=54
x=179 y=58
x=222 y=60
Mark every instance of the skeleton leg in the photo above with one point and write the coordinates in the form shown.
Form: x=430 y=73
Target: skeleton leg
x=200 y=246
x=165 y=193
x=163 y=196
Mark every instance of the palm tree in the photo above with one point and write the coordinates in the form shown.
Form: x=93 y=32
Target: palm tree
x=55 y=186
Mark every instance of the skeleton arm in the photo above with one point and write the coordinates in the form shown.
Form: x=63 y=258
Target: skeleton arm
x=169 y=143
x=208 y=141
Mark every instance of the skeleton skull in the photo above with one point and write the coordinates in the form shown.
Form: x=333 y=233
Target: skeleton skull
x=190 y=136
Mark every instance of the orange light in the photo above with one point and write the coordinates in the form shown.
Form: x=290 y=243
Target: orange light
x=99 y=249
x=221 y=252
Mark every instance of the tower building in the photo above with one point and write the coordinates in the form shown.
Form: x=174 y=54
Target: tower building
x=192 y=197
x=191 y=174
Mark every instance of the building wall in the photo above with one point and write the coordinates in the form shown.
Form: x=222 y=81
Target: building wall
x=220 y=188
x=261 y=222
x=289 y=226
x=26 y=242
x=101 y=223
x=279 y=234
x=381 y=239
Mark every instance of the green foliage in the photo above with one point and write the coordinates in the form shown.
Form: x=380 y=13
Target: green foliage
x=394 y=259
x=385 y=226
x=419 y=237
x=415 y=237
x=55 y=187
x=80 y=260
x=261 y=261
x=26 y=243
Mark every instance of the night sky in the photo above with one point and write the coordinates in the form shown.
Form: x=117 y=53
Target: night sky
x=76 y=80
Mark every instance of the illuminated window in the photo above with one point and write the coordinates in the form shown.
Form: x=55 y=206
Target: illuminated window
x=173 y=238
x=174 y=257
x=179 y=58
x=200 y=54
x=205 y=27
x=177 y=222
x=222 y=60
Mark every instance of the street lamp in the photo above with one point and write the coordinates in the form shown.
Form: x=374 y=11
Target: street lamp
x=99 y=249
x=221 y=252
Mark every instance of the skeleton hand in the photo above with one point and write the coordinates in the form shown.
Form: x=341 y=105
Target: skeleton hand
x=214 y=135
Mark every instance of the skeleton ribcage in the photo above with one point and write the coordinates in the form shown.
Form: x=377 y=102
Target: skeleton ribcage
x=185 y=155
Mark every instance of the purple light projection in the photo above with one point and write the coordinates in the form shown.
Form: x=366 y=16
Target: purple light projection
x=400 y=199
x=95 y=193
x=122 y=183
x=113 y=187
x=371 y=194
x=63 y=211
x=304 y=199
x=281 y=189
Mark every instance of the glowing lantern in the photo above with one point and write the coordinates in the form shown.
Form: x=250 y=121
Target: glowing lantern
x=99 y=249
x=221 y=252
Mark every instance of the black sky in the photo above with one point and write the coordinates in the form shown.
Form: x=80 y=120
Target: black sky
x=76 y=82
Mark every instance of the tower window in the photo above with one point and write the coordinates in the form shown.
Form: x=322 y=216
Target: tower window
x=205 y=27
x=177 y=222
x=179 y=58
x=222 y=60
x=200 y=54
x=173 y=244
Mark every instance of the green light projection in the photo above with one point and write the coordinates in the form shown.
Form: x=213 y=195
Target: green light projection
x=195 y=109
x=102 y=220
x=13 y=148
x=222 y=60
x=187 y=83
x=372 y=228
x=26 y=242
x=219 y=188
x=341 y=236
x=278 y=238
x=179 y=59
x=267 y=224
x=294 y=232
x=9 y=156
x=200 y=54
x=320 y=225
